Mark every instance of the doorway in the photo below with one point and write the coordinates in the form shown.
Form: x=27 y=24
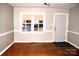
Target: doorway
x=60 y=27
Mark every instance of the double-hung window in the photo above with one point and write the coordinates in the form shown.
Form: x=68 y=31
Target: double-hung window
x=32 y=22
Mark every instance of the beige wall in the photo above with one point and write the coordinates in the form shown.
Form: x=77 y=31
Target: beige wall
x=73 y=35
x=6 y=18
x=74 y=19
x=6 y=25
x=36 y=37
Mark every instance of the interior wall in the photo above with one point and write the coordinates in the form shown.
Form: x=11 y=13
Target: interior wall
x=6 y=25
x=46 y=36
x=73 y=34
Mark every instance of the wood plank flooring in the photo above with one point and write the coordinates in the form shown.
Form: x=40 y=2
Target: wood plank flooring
x=41 y=49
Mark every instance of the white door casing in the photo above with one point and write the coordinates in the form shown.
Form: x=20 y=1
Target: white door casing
x=60 y=21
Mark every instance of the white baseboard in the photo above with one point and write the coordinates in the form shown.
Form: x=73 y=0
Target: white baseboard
x=33 y=41
x=6 y=48
x=73 y=44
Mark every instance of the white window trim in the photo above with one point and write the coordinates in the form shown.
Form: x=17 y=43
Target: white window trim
x=32 y=26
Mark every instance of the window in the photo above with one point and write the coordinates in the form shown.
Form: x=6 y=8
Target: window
x=32 y=22
x=38 y=23
x=26 y=23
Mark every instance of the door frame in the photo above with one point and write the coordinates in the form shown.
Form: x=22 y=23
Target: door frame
x=67 y=18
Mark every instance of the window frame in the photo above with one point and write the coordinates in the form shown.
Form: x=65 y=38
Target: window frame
x=32 y=22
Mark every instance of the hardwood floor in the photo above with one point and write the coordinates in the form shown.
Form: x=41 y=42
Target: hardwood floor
x=41 y=49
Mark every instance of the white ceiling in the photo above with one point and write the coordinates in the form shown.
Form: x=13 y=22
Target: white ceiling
x=54 y=5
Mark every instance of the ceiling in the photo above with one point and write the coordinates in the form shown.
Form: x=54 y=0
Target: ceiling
x=54 y=5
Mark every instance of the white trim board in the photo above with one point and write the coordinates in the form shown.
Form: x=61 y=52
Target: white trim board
x=74 y=32
x=33 y=41
x=67 y=18
x=73 y=44
x=16 y=30
x=32 y=16
x=6 y=48
x=2 y=34
x=35 y=32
